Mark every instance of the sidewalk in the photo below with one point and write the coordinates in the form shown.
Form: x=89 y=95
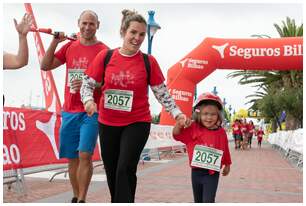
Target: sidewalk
x=257 y=175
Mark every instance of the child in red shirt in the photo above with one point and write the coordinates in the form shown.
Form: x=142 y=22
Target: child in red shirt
x=259 y=135
x=207 y=147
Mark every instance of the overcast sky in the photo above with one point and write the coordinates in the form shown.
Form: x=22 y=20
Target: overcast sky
x=184 y=27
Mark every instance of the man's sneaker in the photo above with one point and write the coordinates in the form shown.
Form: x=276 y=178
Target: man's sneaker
x=82 y=201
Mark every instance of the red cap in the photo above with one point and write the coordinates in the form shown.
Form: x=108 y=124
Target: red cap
x=208 y=96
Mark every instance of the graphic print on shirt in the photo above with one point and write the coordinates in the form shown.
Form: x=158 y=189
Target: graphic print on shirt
x=124 y=78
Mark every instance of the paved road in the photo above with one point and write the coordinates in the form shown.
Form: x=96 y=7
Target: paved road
x=257 y=175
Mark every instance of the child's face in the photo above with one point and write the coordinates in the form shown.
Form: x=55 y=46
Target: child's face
x=209 y=116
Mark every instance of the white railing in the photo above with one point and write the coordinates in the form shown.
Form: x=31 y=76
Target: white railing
x=292 y=140
x=290 y=143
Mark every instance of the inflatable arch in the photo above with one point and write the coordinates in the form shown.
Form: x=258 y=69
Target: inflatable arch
x=240 y=54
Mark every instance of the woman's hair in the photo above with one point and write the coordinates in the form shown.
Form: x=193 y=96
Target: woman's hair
x=128 y=17
x=197 y=113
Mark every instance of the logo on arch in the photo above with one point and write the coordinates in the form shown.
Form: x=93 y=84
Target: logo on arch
x=193 y=63
x=220 y=49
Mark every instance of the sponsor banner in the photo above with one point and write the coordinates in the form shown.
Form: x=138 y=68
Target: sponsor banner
x=31 y=138
x=161 y=136
x=52 y=99
x=193 y=63
x=215 y=53
x=181 y=95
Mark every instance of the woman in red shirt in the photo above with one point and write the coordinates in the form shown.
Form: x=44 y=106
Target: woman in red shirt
x=245 y=132
x=124 y=115
x=236 y=133
x=207 y=147
x=251 y=129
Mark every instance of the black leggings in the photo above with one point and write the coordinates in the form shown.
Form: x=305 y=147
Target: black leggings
x=120 y=149
x=204 y=186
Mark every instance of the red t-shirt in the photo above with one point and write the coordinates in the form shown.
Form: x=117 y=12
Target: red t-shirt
x=198 y=135
x=260 y=134
x=126 y=78
x=244 y=128
x=236 y=128
x=251 y=128
x=77 y=57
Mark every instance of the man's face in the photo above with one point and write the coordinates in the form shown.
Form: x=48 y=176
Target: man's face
x=88 y=25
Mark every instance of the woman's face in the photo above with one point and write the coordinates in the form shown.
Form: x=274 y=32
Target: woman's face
x=133 y=37
x=209 y=116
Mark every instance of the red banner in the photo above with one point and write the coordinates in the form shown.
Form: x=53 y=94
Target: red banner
x=31 y=138
x=52 y=99
x=215 y=53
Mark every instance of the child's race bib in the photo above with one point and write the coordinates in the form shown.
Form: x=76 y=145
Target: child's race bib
x=116 y=99
x=207 y=157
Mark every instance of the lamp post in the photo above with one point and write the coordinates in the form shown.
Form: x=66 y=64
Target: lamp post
x=214 y=91
x=151 y=29
x=230 y=109
x=224 y=102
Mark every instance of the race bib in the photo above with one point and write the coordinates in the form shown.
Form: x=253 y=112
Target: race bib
x=74 y=74
x=121 y=100
x=206 y=157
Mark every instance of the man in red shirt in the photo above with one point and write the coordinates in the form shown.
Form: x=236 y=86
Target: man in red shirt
x=78 y=133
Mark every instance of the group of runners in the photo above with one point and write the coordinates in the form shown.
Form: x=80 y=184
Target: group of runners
x=243 y=133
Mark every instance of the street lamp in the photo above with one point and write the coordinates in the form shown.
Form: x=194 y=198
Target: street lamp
x=151 y=29
x=214 y=91
x=230 y=108
x=224 y=102
x=230 y=114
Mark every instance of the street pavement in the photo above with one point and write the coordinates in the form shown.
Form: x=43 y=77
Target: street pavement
x=257 y=175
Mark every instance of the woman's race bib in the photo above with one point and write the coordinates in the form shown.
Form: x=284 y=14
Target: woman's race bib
x=116 y=99
x=207 y=158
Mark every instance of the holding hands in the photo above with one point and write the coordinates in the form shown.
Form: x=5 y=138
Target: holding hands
x=182 y=121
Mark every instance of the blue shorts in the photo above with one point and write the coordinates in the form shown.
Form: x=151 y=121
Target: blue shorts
x=78 y=133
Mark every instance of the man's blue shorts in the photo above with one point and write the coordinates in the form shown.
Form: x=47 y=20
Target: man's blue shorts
x=78 y=133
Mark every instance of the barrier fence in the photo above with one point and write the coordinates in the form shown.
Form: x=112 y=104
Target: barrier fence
x=290 y=144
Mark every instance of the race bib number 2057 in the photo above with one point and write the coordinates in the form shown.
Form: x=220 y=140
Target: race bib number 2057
x=207 y=157
x=121 y=100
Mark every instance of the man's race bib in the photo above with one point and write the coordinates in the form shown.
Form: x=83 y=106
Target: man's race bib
x=121 y=100
x=206 y=157
x=74 y=74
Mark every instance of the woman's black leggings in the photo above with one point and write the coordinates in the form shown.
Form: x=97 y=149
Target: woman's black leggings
x=120 y=149
x=204 y=186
